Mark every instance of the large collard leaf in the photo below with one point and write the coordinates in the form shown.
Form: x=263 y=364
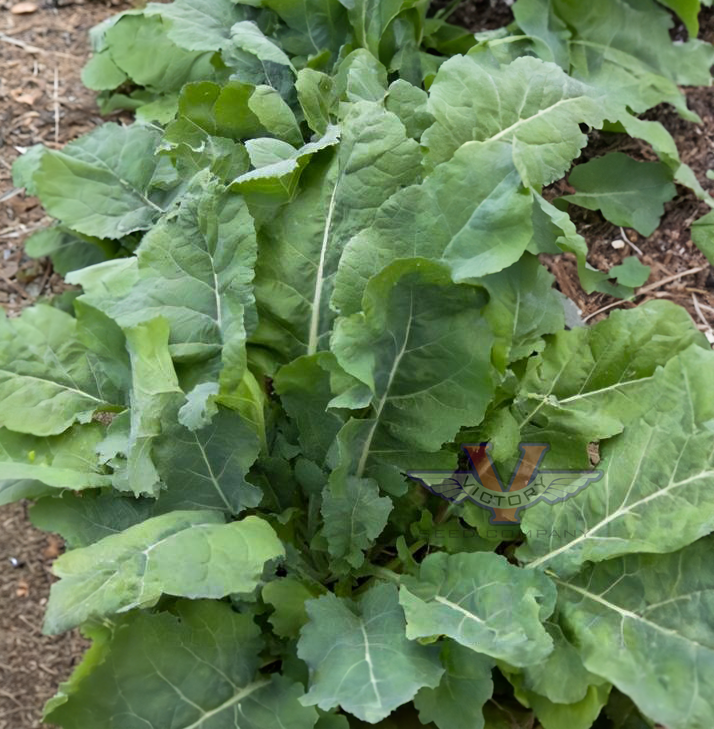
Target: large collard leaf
x=522 y=103
x=100 y=185
x=32 y=466
x=657 y=475
x=457 y=702
x=641 y=622
x=172 y=671
x=423 y=347
x=359 y=657
x=184 y=553
x=206 y=468
x=194 y=268
x=478 y=224
x=624 y=49
x=300 y=249
x=594 y=381
x=628 y=193
x=49 y=378
x=142 y=46
x=483 y=603
x=199 y=25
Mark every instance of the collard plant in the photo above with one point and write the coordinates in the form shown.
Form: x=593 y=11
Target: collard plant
x=310 y=267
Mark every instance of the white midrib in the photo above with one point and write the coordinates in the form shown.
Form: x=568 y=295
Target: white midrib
x=368 y=660
x=378 y=413
x=529 y=119
x=320 y=278
x=623 y=612
x=247 y=691
x=616 y=515
x=458 y=608
x=51 y=382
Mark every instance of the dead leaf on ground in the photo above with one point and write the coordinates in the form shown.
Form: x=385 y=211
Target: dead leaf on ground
x=53 y=548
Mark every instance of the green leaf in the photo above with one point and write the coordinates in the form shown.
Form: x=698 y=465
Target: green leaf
x=457 y=702
x=302 y=245
x=628 y=193
x=370 y=18
x=154 y=386
x=141 y=46
x=305 y=390
x=561 y=678
x=523 y=307
x=313 y=25
x=247 y=36
x=639 y=621
x=100 y=73
x=631 y=272
x=580 y=715
x=82 y=519
x=48 y=378
x=423 y=348
x=288 y=597
x=194 y=269
x=99 y=185
x=198 y=25
x=355 y=515
x=482 y=602
x=174 y=554
x=410 y=104
x=187 y=675
x=651 y=496
x=67 y=250
x=519 y=103
x=359 y=657
x=315 y=95
x=477 y=224
x=703 y=235
x=688 y=11
x=595 y=381
x=31 y=466
x=206 y=468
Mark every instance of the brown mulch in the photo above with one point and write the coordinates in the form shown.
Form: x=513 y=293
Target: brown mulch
x=41 y=100
x=31 y=664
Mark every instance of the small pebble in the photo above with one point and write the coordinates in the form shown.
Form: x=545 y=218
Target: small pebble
x=24 y=8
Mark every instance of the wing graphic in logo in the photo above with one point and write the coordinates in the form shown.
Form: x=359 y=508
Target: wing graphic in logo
x=448 y=486
x=556 y=486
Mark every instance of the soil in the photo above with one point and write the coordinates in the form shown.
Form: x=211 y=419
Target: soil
x=42 y=100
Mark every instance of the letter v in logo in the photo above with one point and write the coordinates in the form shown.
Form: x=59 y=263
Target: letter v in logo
x=485 y=470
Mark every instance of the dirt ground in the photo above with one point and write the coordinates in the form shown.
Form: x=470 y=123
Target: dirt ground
x=42 y=100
